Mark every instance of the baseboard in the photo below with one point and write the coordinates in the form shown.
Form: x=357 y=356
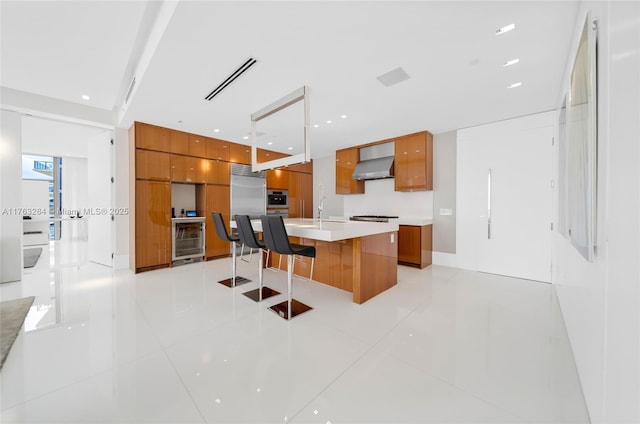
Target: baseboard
x=445 y=259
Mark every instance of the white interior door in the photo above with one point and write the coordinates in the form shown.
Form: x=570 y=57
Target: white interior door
x=505 y=185
x=101 y=193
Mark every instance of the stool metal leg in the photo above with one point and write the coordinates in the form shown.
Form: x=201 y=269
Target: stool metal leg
x=290 y=264
x=290 y=307
x=261 y=292
x=235 y=280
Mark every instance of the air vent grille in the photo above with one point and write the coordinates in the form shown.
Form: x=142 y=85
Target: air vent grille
x=241 y=70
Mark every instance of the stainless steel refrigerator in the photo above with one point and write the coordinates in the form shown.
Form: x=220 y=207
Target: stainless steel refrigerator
x=248 y=192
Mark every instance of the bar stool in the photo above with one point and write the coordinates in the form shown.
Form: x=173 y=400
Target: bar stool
x=221 y=230
x=277 y=240
x=248 y=238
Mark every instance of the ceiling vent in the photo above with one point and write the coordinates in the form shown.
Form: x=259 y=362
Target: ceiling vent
x=393 y=77
x=241 y=70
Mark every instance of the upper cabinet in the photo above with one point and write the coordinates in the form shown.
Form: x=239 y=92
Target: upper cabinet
x=239 y=153
x=151 y=137
x=217 y=149
x=197 y=146
x=414 y=162
x=346 y=161
x=179 y=142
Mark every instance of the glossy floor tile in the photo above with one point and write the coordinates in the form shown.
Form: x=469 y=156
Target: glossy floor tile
x=174 y=346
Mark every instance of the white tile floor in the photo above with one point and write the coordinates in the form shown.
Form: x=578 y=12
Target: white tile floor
x=174 y=346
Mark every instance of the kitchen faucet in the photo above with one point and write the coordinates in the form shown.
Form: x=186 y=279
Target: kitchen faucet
x=320 y=208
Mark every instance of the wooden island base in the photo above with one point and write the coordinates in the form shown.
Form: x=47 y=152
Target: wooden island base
x=365 y=266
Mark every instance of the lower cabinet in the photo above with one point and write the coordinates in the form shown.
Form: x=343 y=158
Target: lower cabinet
x=152 y=224
x=414 y=245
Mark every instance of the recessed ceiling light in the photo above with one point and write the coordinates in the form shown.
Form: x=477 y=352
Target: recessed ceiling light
x=216 y=130
x=316 y=126
x=515 y=84
x=505 y=29
x=85 y=97
x=328 y=122
x=511 y=62
x=270 y=143
x=246 y=137
x=343 y=116
x=289 y=148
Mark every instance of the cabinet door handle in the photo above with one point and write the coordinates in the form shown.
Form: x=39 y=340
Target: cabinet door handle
x=489 y=204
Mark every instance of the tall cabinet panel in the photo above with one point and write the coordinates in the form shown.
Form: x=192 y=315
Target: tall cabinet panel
x=218 y=200
x=153 y=224
x=300 y=195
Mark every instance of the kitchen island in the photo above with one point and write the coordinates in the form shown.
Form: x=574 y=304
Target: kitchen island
x=359 y=257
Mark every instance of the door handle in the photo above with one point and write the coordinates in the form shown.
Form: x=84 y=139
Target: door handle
x=489 y=205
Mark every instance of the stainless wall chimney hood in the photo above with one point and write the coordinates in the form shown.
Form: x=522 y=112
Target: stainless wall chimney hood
x=376 y=162
x=374 y=169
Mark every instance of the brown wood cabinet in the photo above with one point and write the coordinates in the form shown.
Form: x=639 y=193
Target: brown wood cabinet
x=187 y=169
x=218 y=172
x=278 y=179
x=414 y=162
x=239 y=153
x=197 y=146
x=151 y=137
x=217 y=200
x=306 y=167
x=300 y=195
x=217 y=149
x=346 y=161
x=178 y=142
x=152 y=224
x=152 y=165
x=414 y=245
x=179 y=168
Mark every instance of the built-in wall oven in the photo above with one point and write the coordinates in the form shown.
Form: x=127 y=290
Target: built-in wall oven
x=277 y=199
x=278 y=203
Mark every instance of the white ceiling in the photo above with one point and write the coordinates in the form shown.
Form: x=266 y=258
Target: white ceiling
x=337 y=49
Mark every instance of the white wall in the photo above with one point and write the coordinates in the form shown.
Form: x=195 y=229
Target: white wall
x=56 y=138
x=379 y=198
x=183 y=196
x=324 y=179
x=10 y=197
x=600 y=301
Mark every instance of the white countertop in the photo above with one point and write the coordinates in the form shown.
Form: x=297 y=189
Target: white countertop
x=189 y=218
x=414 y=220
x=330 y=230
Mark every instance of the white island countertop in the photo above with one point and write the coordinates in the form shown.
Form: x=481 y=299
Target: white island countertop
x=329 y=230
